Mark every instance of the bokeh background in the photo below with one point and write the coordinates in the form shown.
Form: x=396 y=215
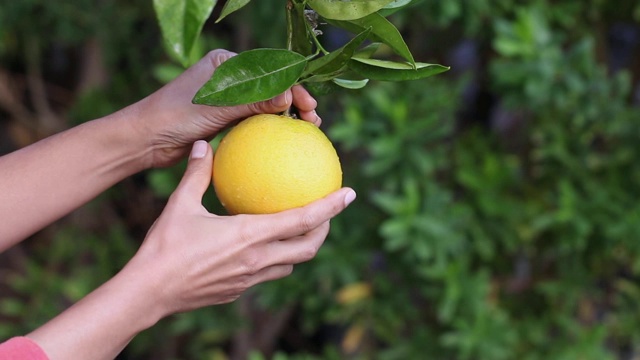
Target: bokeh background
x=498 y=214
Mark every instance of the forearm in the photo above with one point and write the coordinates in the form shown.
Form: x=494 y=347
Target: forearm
x=100 y=325
x=47 y=180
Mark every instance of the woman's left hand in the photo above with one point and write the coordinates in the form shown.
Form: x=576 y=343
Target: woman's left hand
x=171 y=122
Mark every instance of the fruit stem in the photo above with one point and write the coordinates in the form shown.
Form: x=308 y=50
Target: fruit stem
x=297 y=34
x=289 y=11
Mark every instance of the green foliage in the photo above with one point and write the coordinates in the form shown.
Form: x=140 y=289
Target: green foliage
x=54 y=276
x=384 y=70
x=346 y=10
x=334 y=62
x=382 y=30
x=231 y=7
x=181 y=23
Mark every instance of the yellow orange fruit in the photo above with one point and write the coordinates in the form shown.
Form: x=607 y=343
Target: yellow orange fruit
x=270 y=163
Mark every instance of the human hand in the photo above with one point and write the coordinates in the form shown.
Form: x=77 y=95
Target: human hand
x=171 y=122
x=197 y=259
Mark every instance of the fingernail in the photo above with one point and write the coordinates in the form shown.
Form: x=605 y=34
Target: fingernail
x=199 y=149
x=281 y=100
x=349 y=197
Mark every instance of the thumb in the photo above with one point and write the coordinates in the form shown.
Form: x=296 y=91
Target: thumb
x=197 y=176
x=278 y=104
x=301 y=220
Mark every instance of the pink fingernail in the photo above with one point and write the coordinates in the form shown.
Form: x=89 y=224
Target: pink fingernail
x=199 y=149
x=349 y=197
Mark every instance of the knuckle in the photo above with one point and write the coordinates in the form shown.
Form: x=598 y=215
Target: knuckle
x=213 y=53
x=257 y=108
x=316 y=239
x=244 y=283
x=245 y=235
x=307 y=255
x=251 y=262
x=287 y=270
x=218 y=56
x=310 y=252
x=307 y=222
x=336 y=208
x=323 y=229
x=280 y=272
x=229 y=299
x=250 y=231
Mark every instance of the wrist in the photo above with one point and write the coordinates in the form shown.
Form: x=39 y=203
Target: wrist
x=144 y=293
x=101 y=324
x=132 y=137
x=158 y=124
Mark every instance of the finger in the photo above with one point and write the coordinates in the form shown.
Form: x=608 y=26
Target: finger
x=218 y=56
x=204 y=68
x=299 y=248
x=197 y=176
x=188 y=83
x=278 y=104
x=296 y=96
x=306 y=105
x=271 y=273
x=311 y=116
x=302 y=100
x=298 y=221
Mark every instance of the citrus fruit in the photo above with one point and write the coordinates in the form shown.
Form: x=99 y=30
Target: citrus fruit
x=270 y=163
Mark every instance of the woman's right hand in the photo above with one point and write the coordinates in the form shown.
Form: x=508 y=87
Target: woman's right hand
x=189 y=259
x=194 y=258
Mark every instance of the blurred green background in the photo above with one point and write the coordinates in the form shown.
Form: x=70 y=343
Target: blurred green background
x=497 y=217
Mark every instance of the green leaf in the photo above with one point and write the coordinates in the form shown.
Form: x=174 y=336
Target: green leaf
x=321 y=88
x=252 y=76
x=324 y=77
x=336 y=60
x=231 y=6
x=396 y=6
x=351 y=84
x=346 y=9
x=299 y=38
x=346 y=80
x=384 y=70
x=382 y=30
x=367 y=51
x=389 y=202
x=181 y=23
